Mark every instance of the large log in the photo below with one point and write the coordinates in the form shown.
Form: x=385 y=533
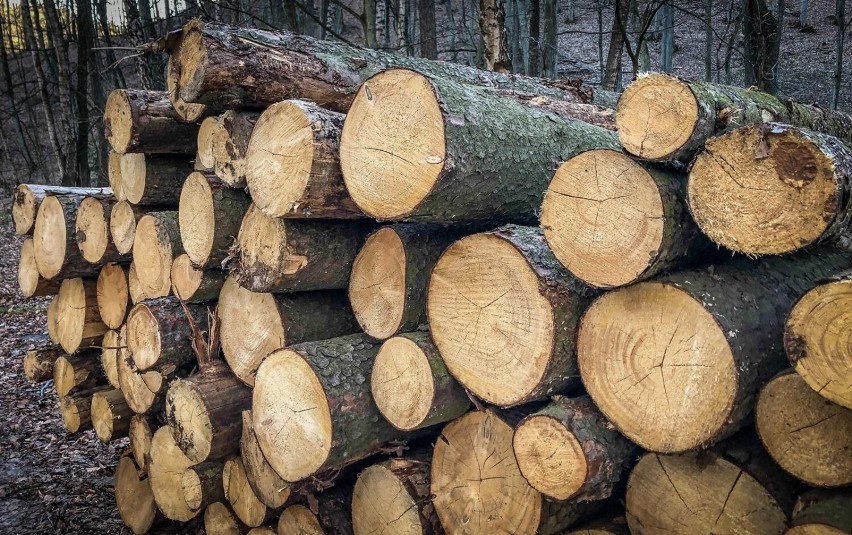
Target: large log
x=312 y=408
x=136 y=120
x=195 y=285
x=151 y=179
x=159 y=334
x=686 y=354
x=477 y=486
x=239 y=493
x=266 y=484
x=113 y=295
x=664 y=118
x=292 y=163
x=426 y=148
x=28 y=197
x=229 y=144
x=78 y=321
x=55 y=239
x=567 y=450
x=612 y=221
x=387 y=287
x=506 y=284
x=252 y=325
x=110 y=415
x=210 y=214
x=286 y=255
x=30 y=281
x=773 y=189
x=81 y=372
x=818 y=339
x=805 y=434
x=38 y=363
x=155 y=245
x=822 y=512
x=92 y=232
x=410 y=363
x=133 y=497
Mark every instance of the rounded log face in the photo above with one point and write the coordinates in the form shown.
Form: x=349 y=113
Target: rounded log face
x=689 y=494
x=166 y=470
x=135 y=384
x=122 y=226
x=266 y=483
x=143 y=336
x=476 y=483
x=603 y=218
x=401 y=366
x=381 y=503
x=49 y=237
x=656 y=116
x=658 y=366
x=550 y=457
x=197 y=218
x=186 y=280
x=377 y=287
x=218 y=520
x=118 y=114
x=140 y=438
x=808 y=436
x=133 y=173
x=153 y=251
x=92 y=230
x=113 y=295
x=773 y=204
x=292 y=404
x=206 y=131
x=133 y=286
x=299 y=520
x=76 y=316
x=28 y=275
x=24 y=209
x=483 y=290
x=110 y=348
x=189 y=420
x=189 y=111
x=102 y=417
x=133 y=497
x=815 y=529
x=250 y=510
x=818 y=340
x=114 y=175
x=393 y=146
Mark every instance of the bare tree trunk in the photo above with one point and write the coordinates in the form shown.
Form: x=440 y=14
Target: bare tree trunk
x=642 y=42
x=601 y=64
x=708 y=40
x=153 y=63
x=492 y=23
x=381 y=23
x=369 y=23
x=667 y=47
x=276 y=14
x=428 y=35
x=760 y=50
x=840 y=14
x=402 y=28
x=84 y=46
x=612 y=72
x=534 y=66
x=451 y=25
x=550 y=50
x=10 y=91
x=66 y=103
x=103 y=21
x=803 y=13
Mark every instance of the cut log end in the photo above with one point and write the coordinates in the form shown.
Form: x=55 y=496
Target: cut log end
x=153 y=250
x=133 y=173
x=656 y=116
x=113 y=295
x=133 y=286
x=77 y=320
x=266 y=483
x=114 y=176
x=195 y=285
x=140 y=439
x=393 y=140
x=205 y=142
x=133 y=496
x=383 y=503
x=110 y=415
x=377 y=287
x=401 y=366
x=764 y=192
x=122 y=226
x=190 y=62
x=166 y=468
x=76 y=412
x=219 y=520
x=299 y=520
x=248 y=508
x=38 y=364
x=188 y=111
x=49 y=237
x=550 y=457
x=197 y=218
x=296 y=417
x=143 y=336
x=24 y=208
x=603 y=218
x=189 y=420
x=639 y=358
x=807 y=435
x=260 y=242
x=818 y=340
x=92 y=230
x=30 y=281
x=118 y=121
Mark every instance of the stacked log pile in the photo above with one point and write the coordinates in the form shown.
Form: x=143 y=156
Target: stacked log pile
x=542 y=340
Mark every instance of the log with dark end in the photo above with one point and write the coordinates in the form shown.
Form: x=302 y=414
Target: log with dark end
x=77 y=318
x=110 y=415
x=141 y=432
x=267 y=485
x=195 y=285
x=137 y=120
x=188 y=111
x=159 y=335
x=155 y=245
x=30 y=281
x=154 y=179
x=229 y=144
x=38 y=363
x=113 y=296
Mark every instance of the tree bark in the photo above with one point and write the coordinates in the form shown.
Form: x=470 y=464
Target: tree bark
x=760 y=47
x=534 y=57
x=154 y=179
x=144 y=121
x=840 y=17
x=80 y=372
x=428 y=35
x=821 y=510
x=160 y=336
x=85 y=39
x=38 y=364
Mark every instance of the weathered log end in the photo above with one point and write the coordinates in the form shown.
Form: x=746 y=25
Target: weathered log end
x=377 y=286
x=155 y=245
x=113 y=295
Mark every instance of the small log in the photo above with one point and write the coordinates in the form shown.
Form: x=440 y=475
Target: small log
x=159 y=335
x=30 y=281
x=110 y=415
x=202 y=484
x=195 y=285
x=112 y=295
x=28 y=197
x=166 y=468
x=521 y=293
x=54 y=240
x=77 y=318
x=111 y=345
x=567 y=450
x=114 y=175
x=152 y=179
x=807 y=435
x=38 y=364
x=292 y=164
x=144 y=391
x=156 y=244
x=81 y=372
x=134 y=288
x=817 y=338
x=252 y=325
x=188 y=111
x=246 y=505
x=473 y=469
x=204 y=148
x=345 y=424
x=210 y=215
x=76 y=408
x=687 y=353
x=266 y=484
x=134 y=498
x=410 y=363
x=387 y=287
x=122 y=225
x=607 y=525
x=219 y=519
x=299 y=519
x=822 y=512
x=230 y=142
x=441 y=161
x=141 y=431
x=136 y=120
x=92 y=232
x=286 y=255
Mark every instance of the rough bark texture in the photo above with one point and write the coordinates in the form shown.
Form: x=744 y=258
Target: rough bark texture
x=161 y=177
x=27 y=198
x=38 y=363
x=334 y=510
x=173 y=331
x=202 y=484
x=152 y=126
x=823 y=508
x=230 y=142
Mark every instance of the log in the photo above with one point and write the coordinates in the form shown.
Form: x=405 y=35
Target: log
x=151 y=179
x=202 y=484
x=195 y=285
x=80 y=372
x=76 y=407
x=477 y=486
x=210 y=214
x=113 y=295
x=54 y=240
x=204 y=147
x=204 y=412
x=122 y=225
x=219 y=519
x=394 y=497
x=266 y=484
x=664 y=118
x=144 y=391
x=567 y=450
x=28 y=197
x=111 y=345
x=442 y=161
x=38 y=363
x=114 y=176
x=78 y=321
x=133 y=285
x=156 y=244
x=229 y=67
x=410 y=363
x=137 y=120
x=773 y=189
x=687 y=353
x=134 y=498
x=263 y=530
x=30 y=281
x=612 y=221
x=710 y=492
x=616 y=525
x=166 y=468
x=52 y=313
x=230 y=142
x=292 y=164
x=92 y=232
x=299 y=519
x=141 y=432
x=110 y=415
x=387 y=287
x=312 y=409
x=817 y=339
x=822 y=512
x=159 y=334
x=522 y=295
x=252 y=325
x=245 y=504
x=333 y=512
x=188 y=111
x=285 y=255
x=807 y=435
